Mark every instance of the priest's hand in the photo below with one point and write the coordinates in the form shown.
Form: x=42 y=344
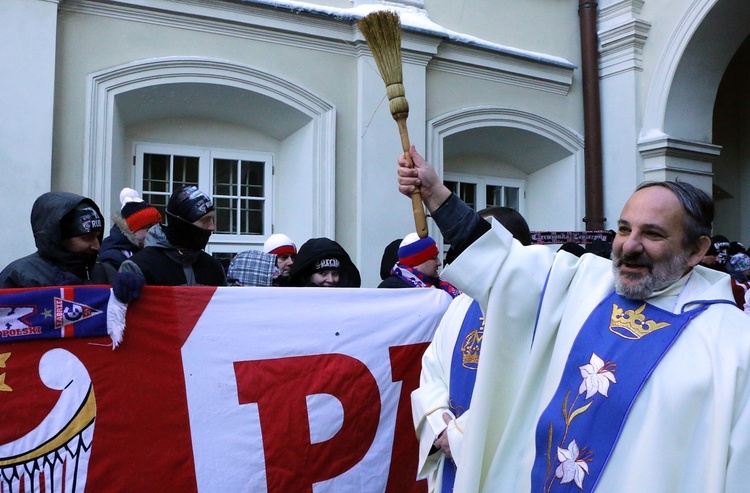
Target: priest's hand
x=441 y=442
x=421 y=175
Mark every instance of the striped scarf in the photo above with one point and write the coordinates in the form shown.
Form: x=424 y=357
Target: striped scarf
x=414 y=278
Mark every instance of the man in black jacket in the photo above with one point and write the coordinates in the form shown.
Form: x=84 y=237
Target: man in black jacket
x=173 y=253
x=68 y=231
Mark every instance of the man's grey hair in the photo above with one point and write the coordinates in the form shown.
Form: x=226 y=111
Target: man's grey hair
x=698 y=205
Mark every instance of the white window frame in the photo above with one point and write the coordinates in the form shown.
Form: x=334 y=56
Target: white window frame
x=219 y=242
x=481 y=182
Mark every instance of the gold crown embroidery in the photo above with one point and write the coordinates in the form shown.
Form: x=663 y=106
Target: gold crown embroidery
x=471 y=347
x=632 y=324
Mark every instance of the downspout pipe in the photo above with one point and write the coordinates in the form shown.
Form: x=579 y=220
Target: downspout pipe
x=592 y=122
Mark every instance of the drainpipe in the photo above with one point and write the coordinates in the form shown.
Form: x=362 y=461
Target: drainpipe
x=592 y=123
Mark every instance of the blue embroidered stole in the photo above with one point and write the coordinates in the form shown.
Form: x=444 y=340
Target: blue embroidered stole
x=463 y=374
x=613 y=355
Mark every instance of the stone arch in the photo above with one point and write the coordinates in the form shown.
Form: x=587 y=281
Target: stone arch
x=303 y=107
x=562 y=154
x=676 y=135
x=678 y=139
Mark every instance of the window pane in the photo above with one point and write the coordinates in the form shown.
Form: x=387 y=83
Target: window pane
x=238 y=187
x=252 y=217
x=512 y=197
x=225 y=171
x=226 y=215
x=185 y=171
x=156 y=172
x=494 y=195
x=469 y=194
x=158 y=201
x=252 y=179
x=452 y=186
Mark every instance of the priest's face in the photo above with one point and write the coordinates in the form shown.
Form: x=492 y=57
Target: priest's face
x=649 y=252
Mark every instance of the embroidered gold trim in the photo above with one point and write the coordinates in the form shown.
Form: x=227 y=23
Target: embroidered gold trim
x=632 y=324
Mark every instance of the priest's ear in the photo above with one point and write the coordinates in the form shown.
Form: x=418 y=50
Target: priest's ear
x=698 y=250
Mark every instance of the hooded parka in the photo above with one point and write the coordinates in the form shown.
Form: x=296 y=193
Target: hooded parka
x=52 y=264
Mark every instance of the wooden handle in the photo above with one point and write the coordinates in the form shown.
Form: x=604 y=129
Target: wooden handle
x=420 y=221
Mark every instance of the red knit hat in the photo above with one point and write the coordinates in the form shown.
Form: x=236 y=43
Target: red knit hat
x=136 y=212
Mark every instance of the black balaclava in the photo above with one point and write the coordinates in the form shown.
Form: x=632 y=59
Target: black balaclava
x=186 y=206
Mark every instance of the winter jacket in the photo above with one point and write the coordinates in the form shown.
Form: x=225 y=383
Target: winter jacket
x=120 y=245
x=394 y=282
x=52 y=264
x=163 y=264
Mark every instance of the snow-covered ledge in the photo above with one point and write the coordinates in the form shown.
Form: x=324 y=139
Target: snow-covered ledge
x=396 y=3
x=331 y=29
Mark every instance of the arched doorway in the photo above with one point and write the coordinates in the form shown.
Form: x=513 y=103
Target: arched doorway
x=696 y=114
x=505 y=147
x=208 y=114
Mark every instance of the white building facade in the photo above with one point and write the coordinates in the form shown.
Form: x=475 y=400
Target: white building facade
x=277 y=111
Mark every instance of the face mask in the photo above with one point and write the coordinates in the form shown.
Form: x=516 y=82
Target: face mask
x=184 y=234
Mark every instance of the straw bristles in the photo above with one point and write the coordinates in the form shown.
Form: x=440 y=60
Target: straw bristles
x=382 y=31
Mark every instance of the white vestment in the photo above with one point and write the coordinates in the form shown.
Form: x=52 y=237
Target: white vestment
x=689 y=428
x=430 y=400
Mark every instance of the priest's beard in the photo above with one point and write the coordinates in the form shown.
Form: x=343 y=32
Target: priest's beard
x=660 y=275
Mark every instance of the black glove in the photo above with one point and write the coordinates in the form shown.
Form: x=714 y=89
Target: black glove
x=127 y=286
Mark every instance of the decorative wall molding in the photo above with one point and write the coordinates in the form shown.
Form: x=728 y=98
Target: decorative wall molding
x=241 y=20
x=337 y=33
x=622 y=36
x=506 y=68
x=620 y=9
x=665 y=155
x=669 y=146
x=622 y=47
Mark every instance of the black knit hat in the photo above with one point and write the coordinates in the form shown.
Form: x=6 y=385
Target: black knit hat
x=82 y=220
x=189 y=204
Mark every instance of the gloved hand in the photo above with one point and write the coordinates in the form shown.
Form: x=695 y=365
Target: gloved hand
x=127 y=286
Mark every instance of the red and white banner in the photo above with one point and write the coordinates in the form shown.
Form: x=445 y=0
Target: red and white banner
x=224 y=390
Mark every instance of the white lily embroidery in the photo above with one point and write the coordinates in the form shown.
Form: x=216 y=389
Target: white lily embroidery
x=572 y=467
x=596 y=377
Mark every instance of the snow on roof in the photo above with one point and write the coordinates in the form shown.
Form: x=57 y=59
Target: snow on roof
x=412 y=19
